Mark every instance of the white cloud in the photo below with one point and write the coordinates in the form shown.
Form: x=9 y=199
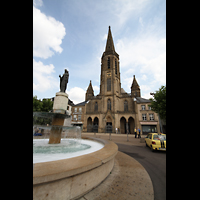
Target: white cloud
x=76 y=94
x=42 y=77
x=47 y=35
x=144 y=77
x=146 y=95
x=124 y=9
x=96 y=89
x=146 y=54
x=104 y=37
x=141 y=21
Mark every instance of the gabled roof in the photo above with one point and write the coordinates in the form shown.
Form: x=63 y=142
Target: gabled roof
x=142 y=100
x=81 y=104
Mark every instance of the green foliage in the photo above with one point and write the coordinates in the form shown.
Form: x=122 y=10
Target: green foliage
x=37 y=104
x=42 y=106
x=158 y=103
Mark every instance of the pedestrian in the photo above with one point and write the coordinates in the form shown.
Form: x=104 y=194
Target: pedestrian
x=139 y=136
x=135 y=130
x=116 y=130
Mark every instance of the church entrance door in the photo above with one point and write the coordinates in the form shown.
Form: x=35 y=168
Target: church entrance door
x=123 y=125
x=131 y=125
x=108 y=127
x=95 y=125
x=89 y=124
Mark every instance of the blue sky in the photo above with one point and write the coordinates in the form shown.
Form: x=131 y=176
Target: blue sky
x=72 y=34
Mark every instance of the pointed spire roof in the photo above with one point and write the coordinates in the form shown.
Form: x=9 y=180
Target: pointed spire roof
x=134 y=84
x=110 y=48
x=90 y=88
x=90 y=92
x=109 y=43
x=135 y=88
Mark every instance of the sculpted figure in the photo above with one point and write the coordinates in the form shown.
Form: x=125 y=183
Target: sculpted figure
x=64 y=81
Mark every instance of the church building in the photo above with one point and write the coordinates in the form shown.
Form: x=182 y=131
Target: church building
x=113 y=109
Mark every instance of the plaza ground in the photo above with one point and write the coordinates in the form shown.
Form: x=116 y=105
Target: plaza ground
x=135 y=165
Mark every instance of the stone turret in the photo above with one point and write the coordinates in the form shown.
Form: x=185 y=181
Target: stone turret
x=135 y=88
x=90 y=92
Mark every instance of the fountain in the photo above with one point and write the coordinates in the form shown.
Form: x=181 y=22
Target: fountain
x=66 y=165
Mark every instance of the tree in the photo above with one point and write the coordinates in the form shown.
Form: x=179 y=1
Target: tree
x=158 y=103
x=37 y=104
x=41 y=106
x=45 y=105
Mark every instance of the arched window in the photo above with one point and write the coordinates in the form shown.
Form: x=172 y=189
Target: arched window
x=108 y=84
x=125 y=106
x=109 y=104
x=96 y=106
x=115 y=66
x=108 y=62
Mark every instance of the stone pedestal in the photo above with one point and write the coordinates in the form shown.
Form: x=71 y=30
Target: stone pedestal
x=59 y=106
x=60 y=102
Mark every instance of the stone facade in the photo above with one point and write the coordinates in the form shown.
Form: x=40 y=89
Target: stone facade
x=113 y=106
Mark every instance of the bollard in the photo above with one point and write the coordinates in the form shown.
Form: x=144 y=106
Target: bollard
x=109 y=136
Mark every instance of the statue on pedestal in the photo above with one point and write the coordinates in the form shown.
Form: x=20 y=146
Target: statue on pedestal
x=64 y=81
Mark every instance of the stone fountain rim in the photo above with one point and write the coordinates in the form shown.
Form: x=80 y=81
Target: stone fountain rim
x=59 y=169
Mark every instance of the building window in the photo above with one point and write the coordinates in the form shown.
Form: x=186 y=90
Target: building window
x=80 y=109
x=144 y=117
x=125 y=106
x=143 y=107
x=96 y=106
x=149 y=107
x=108 y=62
x=75 y=109
x=79 y=117
x=109 y=104
x=151 y=117
x=75 y=117
x=108 y=84
x=115 y=66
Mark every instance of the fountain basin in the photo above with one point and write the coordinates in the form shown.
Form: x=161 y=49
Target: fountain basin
x=73 y=177
x=68 y=148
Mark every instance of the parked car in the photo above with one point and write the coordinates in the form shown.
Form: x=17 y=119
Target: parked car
x=37 y=134
x=156 y=141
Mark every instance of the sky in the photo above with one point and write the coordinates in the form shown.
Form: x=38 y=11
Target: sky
x=72 y=34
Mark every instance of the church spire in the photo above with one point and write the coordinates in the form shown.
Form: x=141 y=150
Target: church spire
x=109 y=43
x=110 y=48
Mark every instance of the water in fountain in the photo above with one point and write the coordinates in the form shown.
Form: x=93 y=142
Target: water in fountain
x=71 y=144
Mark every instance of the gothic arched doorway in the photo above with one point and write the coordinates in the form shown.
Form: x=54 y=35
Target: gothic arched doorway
x=95 y=125
x=109 y=128
x=123 y=125
x=131 y=125
x=89 y=124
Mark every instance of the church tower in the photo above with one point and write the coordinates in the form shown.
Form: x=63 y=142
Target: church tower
x=110 y=75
